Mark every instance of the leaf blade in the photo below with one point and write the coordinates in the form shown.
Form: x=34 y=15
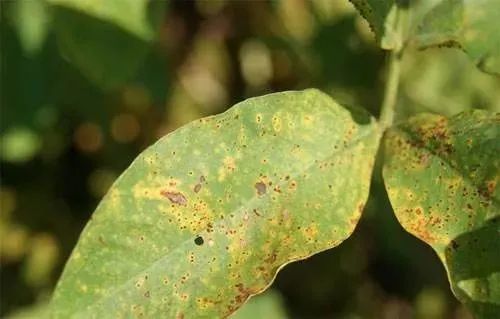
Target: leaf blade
x=230 y=201
x=441 y=178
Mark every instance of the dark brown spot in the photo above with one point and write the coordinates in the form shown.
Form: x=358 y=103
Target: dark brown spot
x=197 y=188
x=175 y=197
x=261 y=188
x=199 y=241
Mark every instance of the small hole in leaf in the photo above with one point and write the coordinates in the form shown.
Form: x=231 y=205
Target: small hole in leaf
x=199 y=241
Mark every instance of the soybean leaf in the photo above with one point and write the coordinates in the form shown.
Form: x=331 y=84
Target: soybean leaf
x=205 y=218
x=380 y=15
x=441 y=176
x=106 y=40
x=469 y=25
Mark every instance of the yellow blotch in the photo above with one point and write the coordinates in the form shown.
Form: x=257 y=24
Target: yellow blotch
x=258 y=117
x=221 y=174
x=310 y=231
x=276 y=123
x=229 y=164
x=308 y=120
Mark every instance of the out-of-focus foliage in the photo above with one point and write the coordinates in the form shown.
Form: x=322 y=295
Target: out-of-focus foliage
x=63 y=139
x=468 y=25
x=106 y=40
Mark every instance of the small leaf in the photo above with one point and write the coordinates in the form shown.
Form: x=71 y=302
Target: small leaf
x=441 y=176
x=106 y=40
x=380 y=16
x=205 y=217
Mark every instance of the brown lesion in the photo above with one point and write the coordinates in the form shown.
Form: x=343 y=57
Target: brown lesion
x=260 y=187
x=198 y=186
x=175 y=197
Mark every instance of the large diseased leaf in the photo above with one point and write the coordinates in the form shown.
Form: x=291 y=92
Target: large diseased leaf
x=106 y=40
x=470 y=25
x=205 y=217
x=442 y=178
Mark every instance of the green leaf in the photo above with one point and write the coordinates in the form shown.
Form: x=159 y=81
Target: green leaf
x=205 y=217
x=380 y=16
x=106 y=40
x=31 y=20
x=267 y=305
x=470 y=25
x=441 y=176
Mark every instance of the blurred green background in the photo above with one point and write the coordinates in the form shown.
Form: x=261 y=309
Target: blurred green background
x=83 y=94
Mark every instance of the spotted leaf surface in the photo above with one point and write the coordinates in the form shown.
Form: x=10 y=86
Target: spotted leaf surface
x=469 y=25
x=205 y=218
x=442 y=178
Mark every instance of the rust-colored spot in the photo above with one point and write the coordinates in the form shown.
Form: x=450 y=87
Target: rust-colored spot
x=261 y=188
x=272 y=258
x=175 y=197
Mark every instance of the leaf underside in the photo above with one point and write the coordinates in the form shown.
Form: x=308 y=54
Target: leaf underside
x=205 y=218
x=441 y=176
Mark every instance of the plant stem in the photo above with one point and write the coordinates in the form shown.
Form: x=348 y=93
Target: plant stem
x=391 y=90
x=393 y=74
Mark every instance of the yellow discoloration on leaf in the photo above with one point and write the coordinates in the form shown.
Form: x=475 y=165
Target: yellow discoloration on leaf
x=276 y=120
x=452 y=204
x=229 y=164
x=212 y=211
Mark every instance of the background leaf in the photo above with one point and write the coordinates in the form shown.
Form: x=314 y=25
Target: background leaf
x=107 y=40
x=470 y=25
x=205 y=217
x=441 y=176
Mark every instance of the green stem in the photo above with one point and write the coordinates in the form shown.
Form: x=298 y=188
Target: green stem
x=391 y=90
x=393 y=74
